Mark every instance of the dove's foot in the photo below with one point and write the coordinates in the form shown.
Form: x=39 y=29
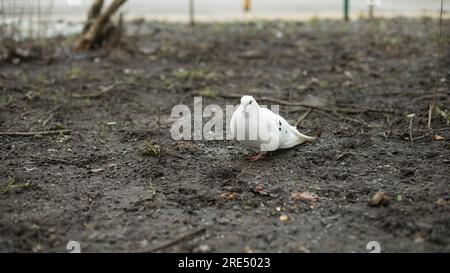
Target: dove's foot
x=256 y=157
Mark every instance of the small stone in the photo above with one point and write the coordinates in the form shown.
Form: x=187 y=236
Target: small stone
x=284 y=218
x=419 y=238
x=304 y=196
x=248 y=249
x=203 y=248
x=302 y=249
x=379 y=199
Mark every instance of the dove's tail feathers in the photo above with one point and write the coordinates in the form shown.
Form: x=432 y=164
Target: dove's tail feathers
x=301 y=137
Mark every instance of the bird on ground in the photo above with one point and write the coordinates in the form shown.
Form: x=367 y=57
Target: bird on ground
x=263 y=130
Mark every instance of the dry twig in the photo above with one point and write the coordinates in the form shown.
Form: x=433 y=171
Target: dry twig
x=411 y=117
x=97 y=94
x=37 y=133
x=335 y=109
x=178 y=240
x=48 y=119
x=303 y=116
x=9 y=152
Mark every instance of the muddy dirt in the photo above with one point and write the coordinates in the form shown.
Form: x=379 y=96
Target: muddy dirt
x=119 y=183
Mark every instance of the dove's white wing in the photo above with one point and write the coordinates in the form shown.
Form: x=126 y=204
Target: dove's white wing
x=281 y=132
x=273 y=131
x=278 y=129
x=241 y=126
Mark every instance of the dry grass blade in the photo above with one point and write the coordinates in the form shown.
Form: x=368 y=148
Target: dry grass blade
x=436 y=83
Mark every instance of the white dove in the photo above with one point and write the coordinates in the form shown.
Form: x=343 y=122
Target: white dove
x=262 y=129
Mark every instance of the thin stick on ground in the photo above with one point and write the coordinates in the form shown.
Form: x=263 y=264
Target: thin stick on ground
x=436 y=83
x=439 y=130
x=424 y=97
x=307 y=105
x=303 y=116
x=54 y=109
x=9 y=152
x=411 y=117
x=178 y=240
x=48 y=119
x=159 y=136
x=36 y=133
x=51 y=114
x=431 y=133
x=357 y=121
x=97 y=94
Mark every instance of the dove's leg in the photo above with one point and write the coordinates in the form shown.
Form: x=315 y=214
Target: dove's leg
x=257 y=157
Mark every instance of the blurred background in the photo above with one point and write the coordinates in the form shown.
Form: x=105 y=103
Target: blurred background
x=67 y=15
x=210 y=10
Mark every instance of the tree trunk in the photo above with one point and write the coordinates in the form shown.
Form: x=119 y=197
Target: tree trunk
x=93 y=13
x=92 y=36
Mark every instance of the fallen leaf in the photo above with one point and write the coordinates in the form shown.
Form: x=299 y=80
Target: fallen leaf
x=261 y=190
x=379 y=199
x=252 y=54
x=442 y=202
x=29 y=169
x=304 y=196
x=419 y=238
x=229 y=195
x=96 y=170
x=147 y=50
x=248 y=249
x=348 y=74
x=284 y=218
x=438 y=138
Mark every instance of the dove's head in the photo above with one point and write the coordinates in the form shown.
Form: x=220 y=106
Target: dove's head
x=249 y=104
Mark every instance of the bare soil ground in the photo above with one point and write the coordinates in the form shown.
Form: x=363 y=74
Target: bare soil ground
x=101 y=185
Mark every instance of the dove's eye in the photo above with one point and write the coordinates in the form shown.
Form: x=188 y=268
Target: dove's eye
x=250 y=102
